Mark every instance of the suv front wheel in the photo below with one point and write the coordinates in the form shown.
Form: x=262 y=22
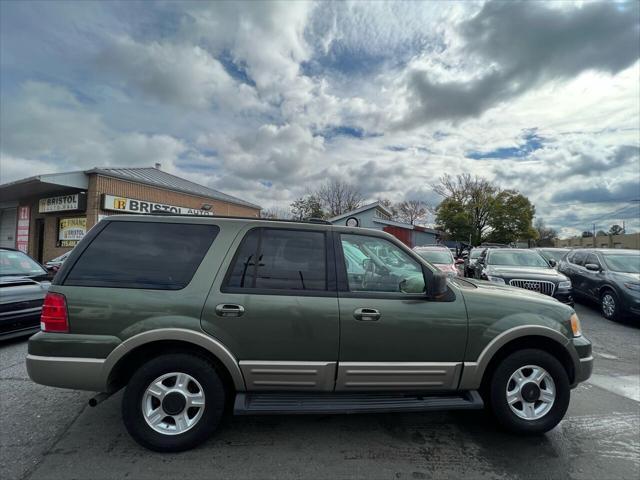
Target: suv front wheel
x=173 y=402
x=529 y=392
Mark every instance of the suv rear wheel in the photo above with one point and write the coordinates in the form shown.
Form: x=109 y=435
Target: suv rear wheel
x=173 y=402
x=529 y=392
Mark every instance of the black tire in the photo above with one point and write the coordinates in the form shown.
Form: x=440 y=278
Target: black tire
x=214 y=401
x=498 y=387
x=610 y=294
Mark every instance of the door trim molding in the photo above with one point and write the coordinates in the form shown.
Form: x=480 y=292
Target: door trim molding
x=285 y=375
x=407 y=376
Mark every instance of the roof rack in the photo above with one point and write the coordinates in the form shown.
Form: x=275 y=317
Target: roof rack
x=163 y=213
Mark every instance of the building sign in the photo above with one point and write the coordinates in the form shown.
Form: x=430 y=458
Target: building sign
x=63 y=203
x=71 y=231
x=129 y=205
x=22 y=237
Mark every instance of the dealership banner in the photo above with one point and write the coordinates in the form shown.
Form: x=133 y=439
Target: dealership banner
x=22 y=237
x=62 y=203
x=71 y=231
x=130 y=205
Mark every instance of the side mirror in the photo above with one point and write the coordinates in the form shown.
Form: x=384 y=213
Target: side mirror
x=368 y=264
x=592 y=267
x=552 y=263
x=413 y=284
x=437 y=286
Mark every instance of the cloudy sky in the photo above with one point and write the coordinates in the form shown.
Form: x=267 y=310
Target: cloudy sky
x=267 y=100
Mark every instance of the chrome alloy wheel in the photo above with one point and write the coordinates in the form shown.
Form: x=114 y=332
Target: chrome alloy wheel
x=608 y=305
x=530 y=392
x=173 y=403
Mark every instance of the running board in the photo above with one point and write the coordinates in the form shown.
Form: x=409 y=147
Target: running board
x=326 y=403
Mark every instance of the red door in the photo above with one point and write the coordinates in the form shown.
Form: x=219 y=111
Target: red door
x=402 y=234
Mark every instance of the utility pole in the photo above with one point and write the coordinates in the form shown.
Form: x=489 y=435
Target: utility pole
x=594 y=235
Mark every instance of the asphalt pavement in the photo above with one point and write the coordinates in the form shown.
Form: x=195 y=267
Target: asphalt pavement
x=48 y=433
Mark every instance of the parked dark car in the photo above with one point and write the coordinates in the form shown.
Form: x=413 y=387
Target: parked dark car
x=23 y=285
x=54 y=264
x=470 y=261
x=555 y=254
x=611 y=277
x=523 y=268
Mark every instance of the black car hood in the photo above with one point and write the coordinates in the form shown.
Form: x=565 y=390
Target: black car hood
x=534 y=273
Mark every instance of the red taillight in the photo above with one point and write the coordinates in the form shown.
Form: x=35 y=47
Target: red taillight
x=54 y=313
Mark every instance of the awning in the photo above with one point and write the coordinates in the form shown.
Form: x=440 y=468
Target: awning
x=43 y=185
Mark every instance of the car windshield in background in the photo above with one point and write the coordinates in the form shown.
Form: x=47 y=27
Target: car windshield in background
x=475 y=253
x=622 y=263
x=436 y=256
x=553 y=254
x=18 y=264
x=517 y=258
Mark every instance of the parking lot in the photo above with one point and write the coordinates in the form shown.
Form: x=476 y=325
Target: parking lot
x=52 y=433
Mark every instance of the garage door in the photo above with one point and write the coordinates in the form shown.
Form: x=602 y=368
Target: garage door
x=8 y=227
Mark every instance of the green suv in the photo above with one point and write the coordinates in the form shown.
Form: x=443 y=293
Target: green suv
x=194 y=316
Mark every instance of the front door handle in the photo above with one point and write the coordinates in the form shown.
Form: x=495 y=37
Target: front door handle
x=229 y=310
x=366 y=314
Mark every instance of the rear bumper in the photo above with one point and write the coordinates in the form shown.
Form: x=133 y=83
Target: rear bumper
x=67 y=372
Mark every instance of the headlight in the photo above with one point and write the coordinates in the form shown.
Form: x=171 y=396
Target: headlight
x=495 y=279
x=633 y=286
x=575 y=325
x=565 y=284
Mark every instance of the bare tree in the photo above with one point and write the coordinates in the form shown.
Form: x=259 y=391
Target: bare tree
x=546 y=235
x=338 y=197
x=410 y=211
x=276 y=213
x=389 y=205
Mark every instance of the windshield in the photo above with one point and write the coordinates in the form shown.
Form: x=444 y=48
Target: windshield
x=622 y=263
x=516 y=258
x=553 y=254
x=475 y=253
x=436 y=256
x=17 y=263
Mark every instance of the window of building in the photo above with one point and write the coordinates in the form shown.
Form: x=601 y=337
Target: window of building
x=279 y=259
x=160 y=256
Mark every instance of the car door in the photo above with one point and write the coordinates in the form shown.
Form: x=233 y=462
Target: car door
x=390 y=340
x=592 y=279
x=577 y=272
x=276 y=308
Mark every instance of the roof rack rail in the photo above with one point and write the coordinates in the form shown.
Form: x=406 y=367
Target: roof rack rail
x=164 y=213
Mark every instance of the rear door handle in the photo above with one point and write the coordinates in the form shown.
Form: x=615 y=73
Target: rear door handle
x=366 y=314
x=229 y=310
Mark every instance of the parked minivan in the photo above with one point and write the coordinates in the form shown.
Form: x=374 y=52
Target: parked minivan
x=194 y=314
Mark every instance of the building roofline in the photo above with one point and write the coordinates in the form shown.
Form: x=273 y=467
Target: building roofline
x=223 y=197
x=364 y=208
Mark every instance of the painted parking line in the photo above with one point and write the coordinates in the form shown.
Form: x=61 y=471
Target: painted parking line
x=625 y=385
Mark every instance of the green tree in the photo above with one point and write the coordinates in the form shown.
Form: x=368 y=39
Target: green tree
x=308 y=206
x=453 y=219
x=616 y=230
x=467 y=206
x=511 y=218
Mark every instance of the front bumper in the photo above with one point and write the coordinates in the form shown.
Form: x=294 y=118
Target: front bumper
x=584 y=367
x=564 y=297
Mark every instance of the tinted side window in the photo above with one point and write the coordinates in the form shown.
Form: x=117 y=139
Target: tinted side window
x=578 y=258
x=592 y=258
x=279 y=259
x=160 y=256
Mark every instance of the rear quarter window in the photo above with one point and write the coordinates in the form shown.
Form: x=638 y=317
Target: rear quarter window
x=159 y=256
